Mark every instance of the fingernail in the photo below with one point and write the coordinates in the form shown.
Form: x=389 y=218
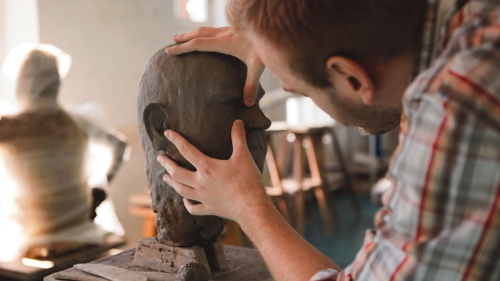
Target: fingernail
x=165 y=178
x=249 y=101
x=239 y=123
x=158 y=158
x=167 y=134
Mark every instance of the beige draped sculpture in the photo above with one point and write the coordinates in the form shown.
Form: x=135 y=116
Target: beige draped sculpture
x=44 y=193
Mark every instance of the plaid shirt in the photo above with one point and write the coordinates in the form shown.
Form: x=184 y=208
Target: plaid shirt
x=441 y=220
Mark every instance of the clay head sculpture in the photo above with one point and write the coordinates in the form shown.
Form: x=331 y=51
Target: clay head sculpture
x=198 y=95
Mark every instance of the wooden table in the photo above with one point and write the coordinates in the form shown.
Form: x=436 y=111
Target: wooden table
x=16 y=270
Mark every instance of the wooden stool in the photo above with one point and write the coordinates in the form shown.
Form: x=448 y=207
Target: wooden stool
x=276 y=191
x=140 y=206
x=299 y=183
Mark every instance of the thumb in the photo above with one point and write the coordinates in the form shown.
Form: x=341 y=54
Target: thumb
x=254 y=71
x=238 y=136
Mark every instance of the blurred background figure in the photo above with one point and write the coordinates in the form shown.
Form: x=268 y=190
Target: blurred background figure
x=54 y=166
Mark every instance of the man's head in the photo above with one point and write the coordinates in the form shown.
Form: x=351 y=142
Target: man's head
x=198 y=95
x=345 y=49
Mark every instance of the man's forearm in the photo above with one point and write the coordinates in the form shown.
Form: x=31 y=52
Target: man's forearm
x=286 y=253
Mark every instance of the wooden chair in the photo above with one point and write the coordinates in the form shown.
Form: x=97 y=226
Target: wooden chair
x=276 y=191
x=140 y=206
x=299 y=184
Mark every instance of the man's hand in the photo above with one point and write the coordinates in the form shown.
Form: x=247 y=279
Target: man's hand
x=227 y=188
x=224 y=40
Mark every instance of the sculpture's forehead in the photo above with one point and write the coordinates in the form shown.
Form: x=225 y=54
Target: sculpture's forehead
x=201 y=84
x=195 y=78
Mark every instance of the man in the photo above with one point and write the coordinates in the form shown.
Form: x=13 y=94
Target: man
x=354 y=59
x=198 y=95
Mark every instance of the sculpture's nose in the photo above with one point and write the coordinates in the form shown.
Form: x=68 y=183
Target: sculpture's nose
x=255 y=119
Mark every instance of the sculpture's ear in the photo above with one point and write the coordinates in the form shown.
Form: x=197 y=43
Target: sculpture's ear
x=154 y=117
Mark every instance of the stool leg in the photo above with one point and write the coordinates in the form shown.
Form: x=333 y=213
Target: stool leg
x=298 y=176
x=323 y=207
x=281 y=157
x=312 y=160
x=149 y=227
x=283 y=208
x=299 y=212
x=319 y=190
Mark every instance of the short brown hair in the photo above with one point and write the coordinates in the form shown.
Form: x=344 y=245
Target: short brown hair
x=310 y=31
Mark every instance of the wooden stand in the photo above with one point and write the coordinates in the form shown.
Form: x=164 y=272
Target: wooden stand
x=244 y=264
x=154 y=255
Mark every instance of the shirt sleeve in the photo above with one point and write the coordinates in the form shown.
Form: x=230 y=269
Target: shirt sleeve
x=326 y=275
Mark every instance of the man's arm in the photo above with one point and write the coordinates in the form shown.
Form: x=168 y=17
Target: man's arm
x=224 y=40
x=233 y=189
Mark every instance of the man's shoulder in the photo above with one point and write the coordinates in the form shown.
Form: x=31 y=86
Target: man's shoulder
x=465 y=76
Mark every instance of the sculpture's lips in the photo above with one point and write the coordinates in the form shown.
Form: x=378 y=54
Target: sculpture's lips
x=257 y=147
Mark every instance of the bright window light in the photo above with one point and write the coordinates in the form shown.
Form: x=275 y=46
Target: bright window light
x=99 y=161
x=192 y=10
x=37 y=263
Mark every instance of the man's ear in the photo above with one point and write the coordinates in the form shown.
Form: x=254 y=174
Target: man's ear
x=350 y=77
x=154 y=117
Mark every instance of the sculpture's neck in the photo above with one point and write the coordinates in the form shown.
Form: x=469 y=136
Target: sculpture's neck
x=41 y=105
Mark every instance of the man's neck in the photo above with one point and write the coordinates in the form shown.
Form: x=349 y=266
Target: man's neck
x=393 y=77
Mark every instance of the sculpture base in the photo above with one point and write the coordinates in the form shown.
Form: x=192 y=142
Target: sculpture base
x=157 y=256
x=244 y=264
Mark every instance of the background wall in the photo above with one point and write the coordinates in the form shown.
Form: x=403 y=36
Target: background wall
x=110 y=42
x=2 y=28
x=19 y=24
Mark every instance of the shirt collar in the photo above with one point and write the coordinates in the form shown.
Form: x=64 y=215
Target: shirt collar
x=435 y=21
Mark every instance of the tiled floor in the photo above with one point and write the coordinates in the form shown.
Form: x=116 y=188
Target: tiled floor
x=348 y=232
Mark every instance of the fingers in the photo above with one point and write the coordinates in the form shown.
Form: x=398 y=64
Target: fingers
x=183 y=190
x=198 y=44
x=238 y=136
x=201 y=39
x=199 y=32
x=255 y=69
x=178 y=173
x=191 y=153
x=195 y=209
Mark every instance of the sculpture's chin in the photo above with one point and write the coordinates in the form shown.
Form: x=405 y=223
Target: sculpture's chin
x=257 y=145
x=258 y=155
